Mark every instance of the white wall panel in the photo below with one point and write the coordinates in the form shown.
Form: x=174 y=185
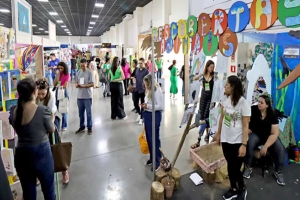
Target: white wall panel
x=37 y=40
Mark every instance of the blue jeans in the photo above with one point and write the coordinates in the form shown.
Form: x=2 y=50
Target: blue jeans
x=159 y=73
x=73 y=73
x=48 y=75
x=64 y=120
x=85 y=105
x=182 y=87
x=148 y=127
x=32 y=163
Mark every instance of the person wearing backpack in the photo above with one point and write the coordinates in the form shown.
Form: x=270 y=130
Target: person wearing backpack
x=181 y=74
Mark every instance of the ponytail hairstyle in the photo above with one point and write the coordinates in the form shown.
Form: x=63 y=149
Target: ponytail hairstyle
x=171 y=66
x=43 y=84
x=25 y=88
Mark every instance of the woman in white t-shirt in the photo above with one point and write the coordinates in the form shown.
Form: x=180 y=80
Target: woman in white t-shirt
x=233 y=135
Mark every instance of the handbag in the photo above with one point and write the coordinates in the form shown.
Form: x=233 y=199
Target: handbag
x=62 y=154
x=60 y=93
x=102 y=77
x=143 y=143
x=63 y=105
x=130 y=88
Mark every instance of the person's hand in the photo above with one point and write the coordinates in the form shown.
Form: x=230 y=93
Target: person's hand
x=263 y=151
x=242 y=151
x=144 y=105
x=217 y=138
x=76 y=85
x=249 y=131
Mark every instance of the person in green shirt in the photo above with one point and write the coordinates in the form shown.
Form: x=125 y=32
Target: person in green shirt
x=159 y=64
x=116 y=77
x=106 y=67
x=173 y=79
x=79 y=57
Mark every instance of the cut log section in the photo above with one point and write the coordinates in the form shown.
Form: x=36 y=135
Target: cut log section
x=157 y=191
x=160 y=174
x=177 y=177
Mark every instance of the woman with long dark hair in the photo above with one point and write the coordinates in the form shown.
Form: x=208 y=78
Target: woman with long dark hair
x=205 y=99
x=63 y=77
x=233 y=135
x=264 y=132
x=173 y=79
x=33 y=157
x=116 y=76
x=126 y=71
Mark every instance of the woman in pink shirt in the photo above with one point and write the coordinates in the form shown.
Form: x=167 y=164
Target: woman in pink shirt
x=64 y=77
x=150 y=64
x=126 y=70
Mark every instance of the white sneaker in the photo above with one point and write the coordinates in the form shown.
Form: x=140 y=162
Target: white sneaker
x=141 y=122
x=138 y=118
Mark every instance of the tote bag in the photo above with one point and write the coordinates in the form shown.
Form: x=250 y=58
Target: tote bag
x=143 y=143
x=63 y=106
x=60 y=93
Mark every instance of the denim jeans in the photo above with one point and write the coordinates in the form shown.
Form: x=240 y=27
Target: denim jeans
x=73 y=73
x=85 y=105
x=159 y=73
x=32 y=163
x=148 y=127
x=64 y=120
x=48 y=75
x=182 y=87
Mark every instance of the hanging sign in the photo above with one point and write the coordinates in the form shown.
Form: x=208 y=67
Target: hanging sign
x=219 y=22
x=185 y=45
x=177 y=44
x=155 y=34
x=228 y=43
x=181 y=28
x=238 y=16
x=197 y=42
x=192 y=26
x=167 y=31
x=174 y=30
x=210 y=44
x=289 y=13
x=204 y=24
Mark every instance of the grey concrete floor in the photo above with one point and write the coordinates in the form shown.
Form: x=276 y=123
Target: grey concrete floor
x=108 y=165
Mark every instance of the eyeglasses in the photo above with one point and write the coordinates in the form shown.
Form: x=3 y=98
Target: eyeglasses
x=42 y=84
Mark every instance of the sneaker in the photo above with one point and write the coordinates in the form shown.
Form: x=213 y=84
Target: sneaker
x=141 y=122
x=230 y=194
x=80 y=130
x=124 y=118
x=90 y=131
x=133 y=110
x=247 y=172
x=138 y=118
x=279 y=177
x=242 y=195
x=149 y=162
x=155 y=169
x=64 y=129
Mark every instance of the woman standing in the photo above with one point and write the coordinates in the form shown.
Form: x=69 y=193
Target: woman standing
x=93 y=67
x=116 y=76
x=233 y=135
x=33 y=157
x=147 y=115
x=150 y=65
x=132 y=75
x=63 y=77
x=205 y=99
x=173 y=79
x=126 y=70
x=73 y=67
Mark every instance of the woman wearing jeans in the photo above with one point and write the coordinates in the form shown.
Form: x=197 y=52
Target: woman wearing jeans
x=63 y=77
x=33 y=157
x=147 y=115
x=233 y=134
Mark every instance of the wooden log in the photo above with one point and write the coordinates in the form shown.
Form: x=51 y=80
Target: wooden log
x=177 y=177
x=160 y=174
x=157 y=191
x=209 y=178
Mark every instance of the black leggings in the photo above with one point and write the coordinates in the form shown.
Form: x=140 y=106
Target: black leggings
x=277 y=151
x=137 y=98
x=125 y=83
x=205 y=101
x=234 y=164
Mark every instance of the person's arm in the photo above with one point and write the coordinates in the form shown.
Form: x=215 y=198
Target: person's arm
x=159 y=101
x=246 y=113
x=108 y=76
x=272 y=138
x=47 y=119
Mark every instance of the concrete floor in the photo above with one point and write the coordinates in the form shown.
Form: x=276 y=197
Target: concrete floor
x=108 y=165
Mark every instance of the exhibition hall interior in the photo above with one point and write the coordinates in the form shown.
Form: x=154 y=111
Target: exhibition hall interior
x=149 y=99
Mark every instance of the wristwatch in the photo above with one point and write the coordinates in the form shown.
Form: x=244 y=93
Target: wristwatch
x=244 y=145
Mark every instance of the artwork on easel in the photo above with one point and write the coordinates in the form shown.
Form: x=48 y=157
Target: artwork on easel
x=10 y=103
x=16 y=190
x=7 y=131
x=3 y=46
x=187 y=112
x=8 y=161
x=214 y=116
x=198 y=65
x=194 y=90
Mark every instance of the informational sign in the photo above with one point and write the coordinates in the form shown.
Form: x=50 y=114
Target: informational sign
x=291 y=52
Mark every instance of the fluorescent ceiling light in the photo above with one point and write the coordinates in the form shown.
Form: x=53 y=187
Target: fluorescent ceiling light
x=43 y=0
x=37 y=32
x=1 y=24
x=92 y=22
x=90 y=27
x=59 y=21
x=66 y=29
x=101 y=5
x=33 y=25
x=69 y=32
x=63 y=26
x=53 y=13
x=94 y=16
x=4 y=10
x=41 y=29
x=46 y=31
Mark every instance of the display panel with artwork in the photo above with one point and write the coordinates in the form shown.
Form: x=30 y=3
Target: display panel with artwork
x=8 y=161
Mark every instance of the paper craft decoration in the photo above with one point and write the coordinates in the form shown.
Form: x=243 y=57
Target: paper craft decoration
x=9 y=103
x=169 y=45
x=210 y=44
x=222 y=64
x=260 y=68
x=214 y=117
x=238 y=16
x=186 y=45
x=197 y=180
x=204 y=24
x=218 y=91
x=162 y=46
x=289 y=13
x=263 y=13
x=219 y=22
x=174 y=30
x=3 y=46
x=228 y=43
x=7 y=130
x=155 y=34
x=197 y=42
x=181 y=28
x=265 y=49
x=167 y=31
x=160 y=33
x=192 y=26
x=260 y=88
x=16 y=190
x=198 y=65
x=187 y=112
x=194 y=90
x=8 y=161
x=177 y=44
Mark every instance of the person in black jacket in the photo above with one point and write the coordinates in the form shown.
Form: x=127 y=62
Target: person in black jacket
x=181 y=74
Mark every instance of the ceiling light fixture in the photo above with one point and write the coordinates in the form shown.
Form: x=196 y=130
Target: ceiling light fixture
x=63 y=26
x=90 y=27
x=94 y=16
x=41 y=29
x=66 y=29
x=43 y=0
x=53 y=13
x=1 y=24
x=46 y=31
x=101 y=5
x=59 y=21
x=4 y=10
x=33 y=25
x=92 y=22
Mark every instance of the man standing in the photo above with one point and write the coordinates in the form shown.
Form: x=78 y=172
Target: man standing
x=52 y=67
x=139 y=91
x=84 y=83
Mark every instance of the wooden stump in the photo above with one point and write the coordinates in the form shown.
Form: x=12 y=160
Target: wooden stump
x=177 y=177
x=157 y=191
x=209 y=178
x=221 y=173
x=160 y=174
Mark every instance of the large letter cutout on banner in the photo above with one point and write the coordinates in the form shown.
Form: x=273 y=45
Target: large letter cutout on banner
x=191 y=26
x=160 y=33
x=289 y=13
x=219 y=22
x=181 y=28
x=174 y=30
x=177 y=44
x=238 y=16
x=210 y=44
x=204 y=24
x=197 y=42
x=167 y=31
x=155 y=34
x=228 y=42
x=162 y=46
x=263 y=13
x=186 y=45
x=169 y=45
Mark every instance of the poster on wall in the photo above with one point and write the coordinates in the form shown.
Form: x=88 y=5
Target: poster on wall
x=3 y=45
x=22 y=21
x=23 y=18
